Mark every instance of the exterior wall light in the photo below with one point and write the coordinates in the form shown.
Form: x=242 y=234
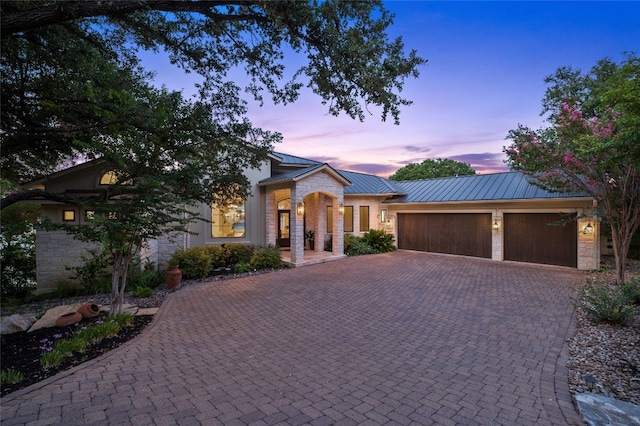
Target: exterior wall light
x=383 y=216
x=588 y=229
x=300 y=209
x=496 y=224
x=341 y=209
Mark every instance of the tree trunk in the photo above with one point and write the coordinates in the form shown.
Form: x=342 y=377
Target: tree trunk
x=116 y=297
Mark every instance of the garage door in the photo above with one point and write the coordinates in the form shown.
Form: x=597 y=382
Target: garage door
x=540 y=238
x=458 y=233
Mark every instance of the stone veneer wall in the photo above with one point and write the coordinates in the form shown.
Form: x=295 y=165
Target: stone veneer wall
x=54 y=251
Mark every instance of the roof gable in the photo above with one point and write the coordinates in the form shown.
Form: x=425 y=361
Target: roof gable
x=298 y=174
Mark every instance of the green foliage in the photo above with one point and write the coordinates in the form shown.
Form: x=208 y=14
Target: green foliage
x=610 y=304
x=147 y=278
x=142 y=291
x=219 y=256
x=95 y=265
x=11 y=376
x=429 y=169
x=54 y=353
x=237 y=253
x=356 y=246
x=17 y=249
x=631 y=290
x=243 y=267
x=194 y=262
x=379 y=241
x=592 y=145
x=267 y=258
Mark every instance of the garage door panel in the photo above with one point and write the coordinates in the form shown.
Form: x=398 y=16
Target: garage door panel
x=453 y=233
x=541 y=238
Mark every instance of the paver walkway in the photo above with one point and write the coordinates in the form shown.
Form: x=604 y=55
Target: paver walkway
x=399 y=338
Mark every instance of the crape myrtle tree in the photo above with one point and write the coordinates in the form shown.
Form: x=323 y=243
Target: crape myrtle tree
x=592 y=145
x=74 y=88
x=429 y=169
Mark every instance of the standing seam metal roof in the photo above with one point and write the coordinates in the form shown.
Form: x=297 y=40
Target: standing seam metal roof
x=496 y=186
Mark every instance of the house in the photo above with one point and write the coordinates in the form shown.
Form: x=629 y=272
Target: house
x=498 y=216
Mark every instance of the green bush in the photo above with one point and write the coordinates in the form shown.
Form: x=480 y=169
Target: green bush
x=631 y=289
x=141 y=291
x=379 y=241
x=219 y=256
x=237 y=253
x=267 y=258
x=147 y=278
x=356 y=246
x=194 y=262
x=604 y=303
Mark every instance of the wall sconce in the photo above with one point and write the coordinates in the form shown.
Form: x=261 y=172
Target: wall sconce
x=300 y=209
x=341 y=209
x=588 y=229
x=496 y=225
x=383 y=216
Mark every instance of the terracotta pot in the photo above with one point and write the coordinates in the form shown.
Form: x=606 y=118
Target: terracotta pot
x=173 y=276
x=68 y=319
x=89 y=310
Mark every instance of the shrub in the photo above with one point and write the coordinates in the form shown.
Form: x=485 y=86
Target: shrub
x=379 y=241
x=194 y=262
x=604 y=303
x=237 y=253
x=141 y=291
x=11 y=376
x=147 y=278
x=631 y=289
x=267 y=258
x=219 y=256
x=95 y=266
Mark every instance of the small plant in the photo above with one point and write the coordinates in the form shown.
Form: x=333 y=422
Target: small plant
x=142 y=291
x=10 y=377
x=242 y=267
x=55 y=352
x=310 y=235
x=379 y=240
x=604 y=303
x=267 y=258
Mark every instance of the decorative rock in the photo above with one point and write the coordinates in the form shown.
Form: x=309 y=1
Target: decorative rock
x=16 y=323
x=126 y=308
x=50 y=317
x=603 y=410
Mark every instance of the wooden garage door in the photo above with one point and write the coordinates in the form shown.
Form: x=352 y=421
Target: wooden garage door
x=456 y=233
x=532 y=237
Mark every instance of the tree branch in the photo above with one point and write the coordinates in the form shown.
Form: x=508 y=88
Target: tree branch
x=32 y=194
x=60 y=12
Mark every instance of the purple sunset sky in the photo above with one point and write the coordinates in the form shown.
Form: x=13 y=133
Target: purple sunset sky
x=484 y=76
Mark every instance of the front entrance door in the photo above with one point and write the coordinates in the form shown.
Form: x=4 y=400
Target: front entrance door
x=283 y=228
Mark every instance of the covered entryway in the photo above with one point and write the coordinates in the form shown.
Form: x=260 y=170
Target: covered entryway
x=549 y=238
x=466 y=234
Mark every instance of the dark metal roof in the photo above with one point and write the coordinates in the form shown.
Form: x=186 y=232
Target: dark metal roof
x=497 y=186
x=369 y=184
x=288 y=159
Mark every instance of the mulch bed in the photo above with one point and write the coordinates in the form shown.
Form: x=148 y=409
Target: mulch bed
x=21 y=351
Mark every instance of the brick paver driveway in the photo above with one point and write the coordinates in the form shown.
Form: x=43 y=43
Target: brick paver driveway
x=398 y=338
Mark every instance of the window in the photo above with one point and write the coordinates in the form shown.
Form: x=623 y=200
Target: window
x=68 y=215
x=364 y=219
x=228 y=221
x=329 y=219
x=348 y=218
x=111 y=178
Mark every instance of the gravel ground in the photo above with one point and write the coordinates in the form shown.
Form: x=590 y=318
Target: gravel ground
x=609 y=353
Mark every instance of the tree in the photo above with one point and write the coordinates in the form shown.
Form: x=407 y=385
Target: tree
x=429 y=169
x=592 y=145
x=66 y=66
x=73 y=88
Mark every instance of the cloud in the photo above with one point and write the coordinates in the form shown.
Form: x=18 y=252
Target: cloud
x=383 y=170
x=485 y=162
x=413 y=148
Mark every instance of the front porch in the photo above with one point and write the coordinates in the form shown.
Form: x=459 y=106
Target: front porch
x=310 y=257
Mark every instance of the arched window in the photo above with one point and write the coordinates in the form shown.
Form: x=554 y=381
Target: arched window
x=111 y=178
